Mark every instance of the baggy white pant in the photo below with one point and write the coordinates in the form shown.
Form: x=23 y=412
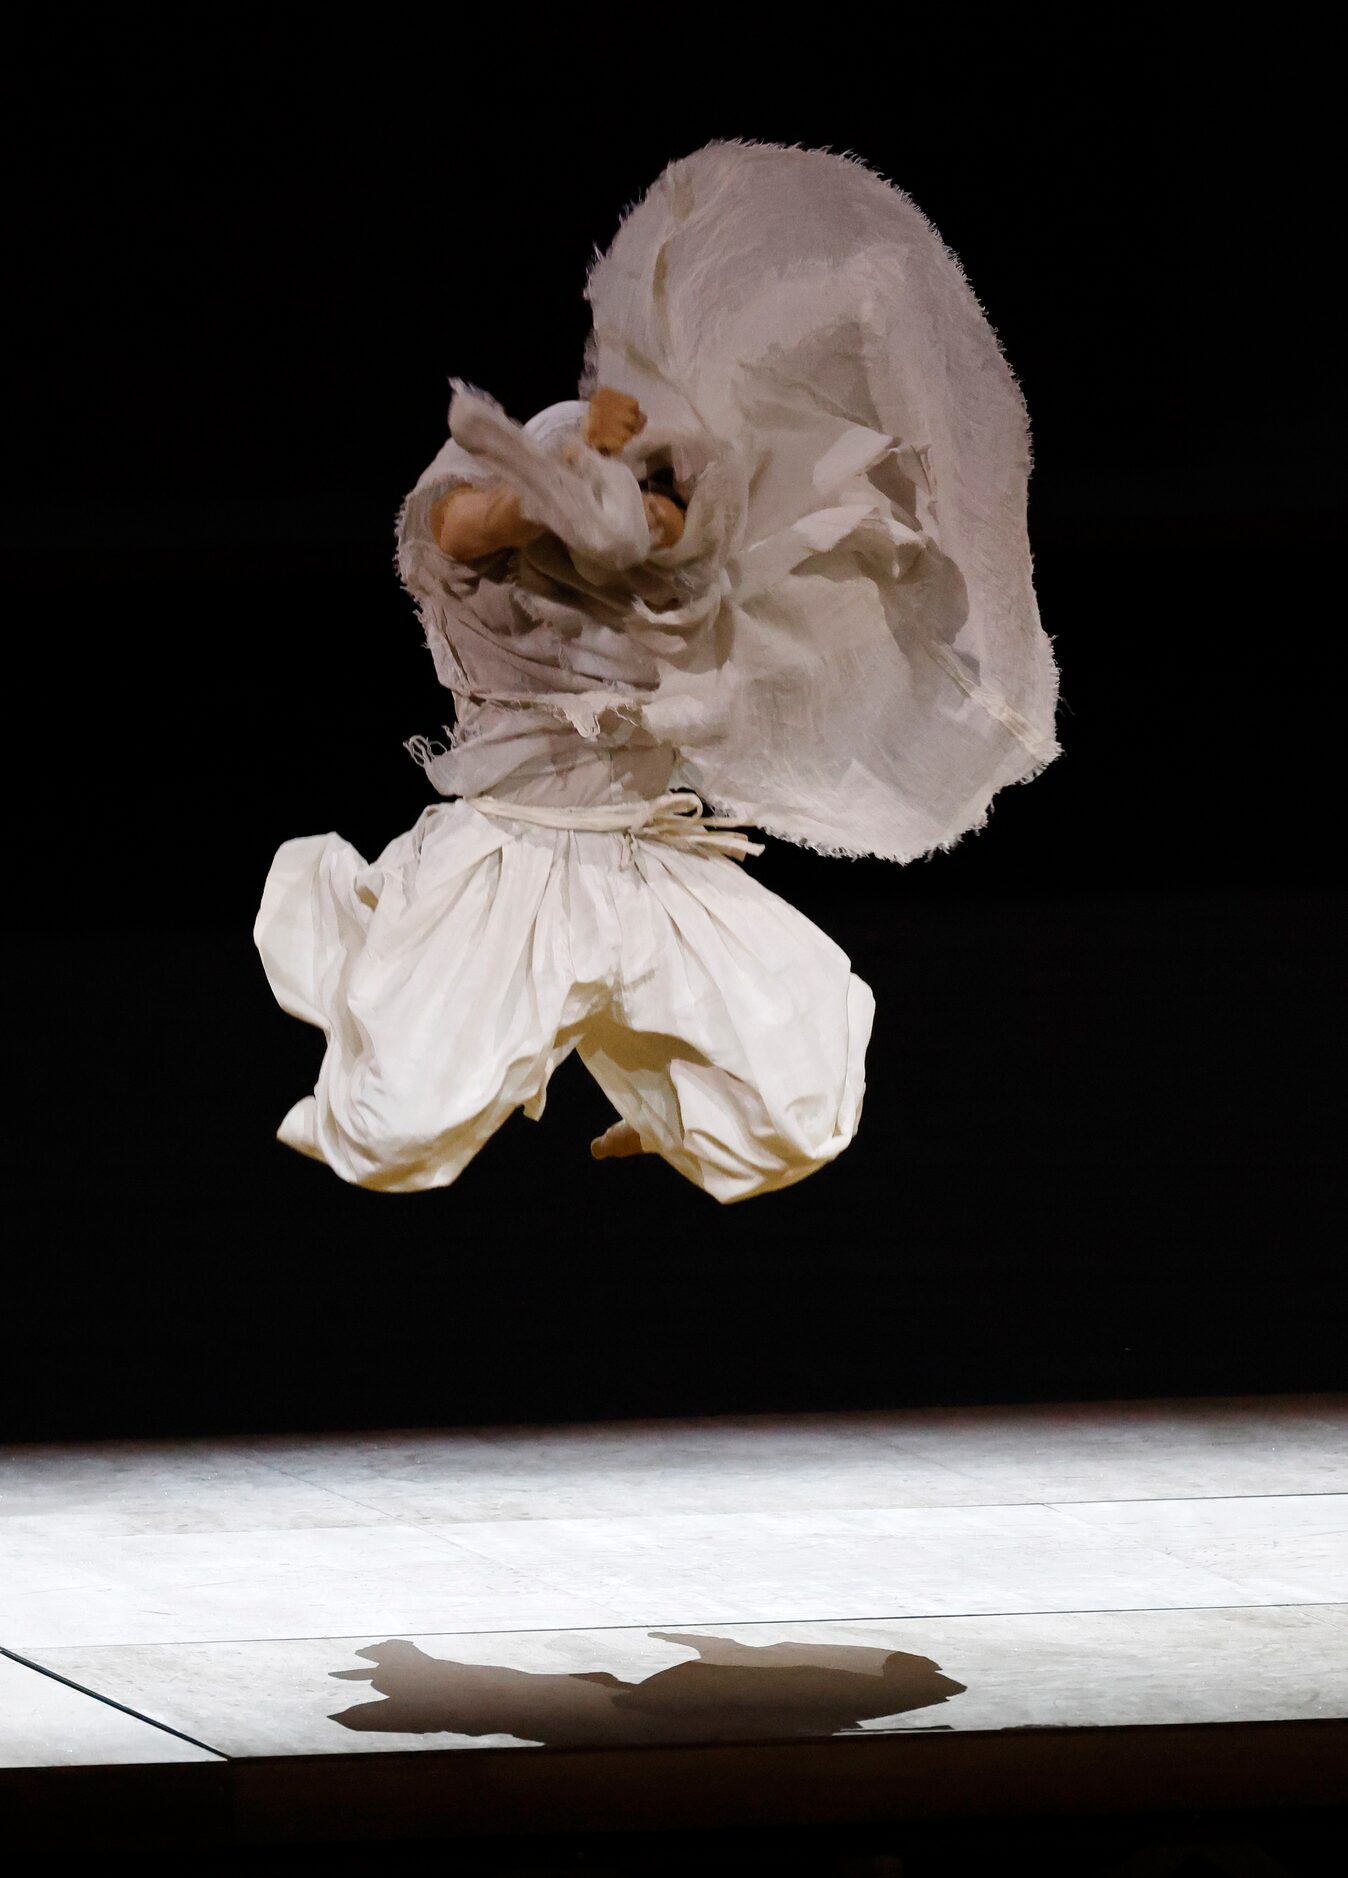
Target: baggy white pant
x=454 y=973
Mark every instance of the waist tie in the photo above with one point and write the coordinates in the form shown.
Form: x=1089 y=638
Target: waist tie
x=678 y=819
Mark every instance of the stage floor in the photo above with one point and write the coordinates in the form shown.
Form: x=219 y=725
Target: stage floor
x=972 y=1589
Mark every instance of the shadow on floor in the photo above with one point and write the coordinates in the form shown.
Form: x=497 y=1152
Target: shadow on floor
x=731 y=1692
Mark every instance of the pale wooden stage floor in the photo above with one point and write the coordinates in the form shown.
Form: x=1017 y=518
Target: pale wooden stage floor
x=732 y=1579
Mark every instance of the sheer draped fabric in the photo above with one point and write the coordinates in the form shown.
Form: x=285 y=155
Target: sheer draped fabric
x=845 y=650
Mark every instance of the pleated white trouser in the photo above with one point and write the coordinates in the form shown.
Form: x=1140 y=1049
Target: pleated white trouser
x=453 y=974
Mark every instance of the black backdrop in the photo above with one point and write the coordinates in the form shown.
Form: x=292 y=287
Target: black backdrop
x=1097 y=1156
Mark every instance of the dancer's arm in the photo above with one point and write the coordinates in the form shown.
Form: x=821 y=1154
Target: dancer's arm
x=468 y=523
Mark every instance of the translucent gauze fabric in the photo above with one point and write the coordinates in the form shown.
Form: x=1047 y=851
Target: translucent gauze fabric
x=845 y=649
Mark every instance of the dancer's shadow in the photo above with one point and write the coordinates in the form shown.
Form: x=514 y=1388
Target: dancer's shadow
x=732 y=1692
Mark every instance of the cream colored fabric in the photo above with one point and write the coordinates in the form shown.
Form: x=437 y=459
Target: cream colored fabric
x=453 y=974
x=678 y=818
x=845 y=648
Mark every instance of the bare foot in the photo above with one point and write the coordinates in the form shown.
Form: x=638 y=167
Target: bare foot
x=615 y=1142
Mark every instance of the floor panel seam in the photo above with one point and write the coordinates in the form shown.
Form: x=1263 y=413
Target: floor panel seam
x=729 y=1623
x=108 y=1701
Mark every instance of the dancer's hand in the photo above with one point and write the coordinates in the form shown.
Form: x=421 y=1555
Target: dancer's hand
x=612 y=421
x=664 y=519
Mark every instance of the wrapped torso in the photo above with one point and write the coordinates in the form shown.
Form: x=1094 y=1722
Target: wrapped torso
x=548 y=683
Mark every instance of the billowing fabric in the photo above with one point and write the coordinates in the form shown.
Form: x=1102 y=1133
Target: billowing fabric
x=454 y=973
x=845 y=648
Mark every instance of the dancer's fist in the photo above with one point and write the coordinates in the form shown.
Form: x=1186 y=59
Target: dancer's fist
x=612 y=421
x=665 y=521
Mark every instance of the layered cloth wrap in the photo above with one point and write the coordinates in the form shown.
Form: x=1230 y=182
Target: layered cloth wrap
x=844 y=649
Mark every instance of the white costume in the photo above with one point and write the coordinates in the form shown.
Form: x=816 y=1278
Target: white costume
x=843 y=649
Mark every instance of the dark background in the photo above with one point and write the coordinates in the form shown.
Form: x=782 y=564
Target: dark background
x=1098 y=1152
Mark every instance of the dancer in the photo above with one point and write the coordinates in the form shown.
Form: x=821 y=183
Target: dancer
x=773 y=563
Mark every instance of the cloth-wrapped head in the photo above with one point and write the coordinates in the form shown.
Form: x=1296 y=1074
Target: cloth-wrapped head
x=557 y=423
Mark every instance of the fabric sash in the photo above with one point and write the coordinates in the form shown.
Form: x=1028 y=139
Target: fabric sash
x=678 y=818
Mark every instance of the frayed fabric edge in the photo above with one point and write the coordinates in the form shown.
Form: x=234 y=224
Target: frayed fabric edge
x=781 y=830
